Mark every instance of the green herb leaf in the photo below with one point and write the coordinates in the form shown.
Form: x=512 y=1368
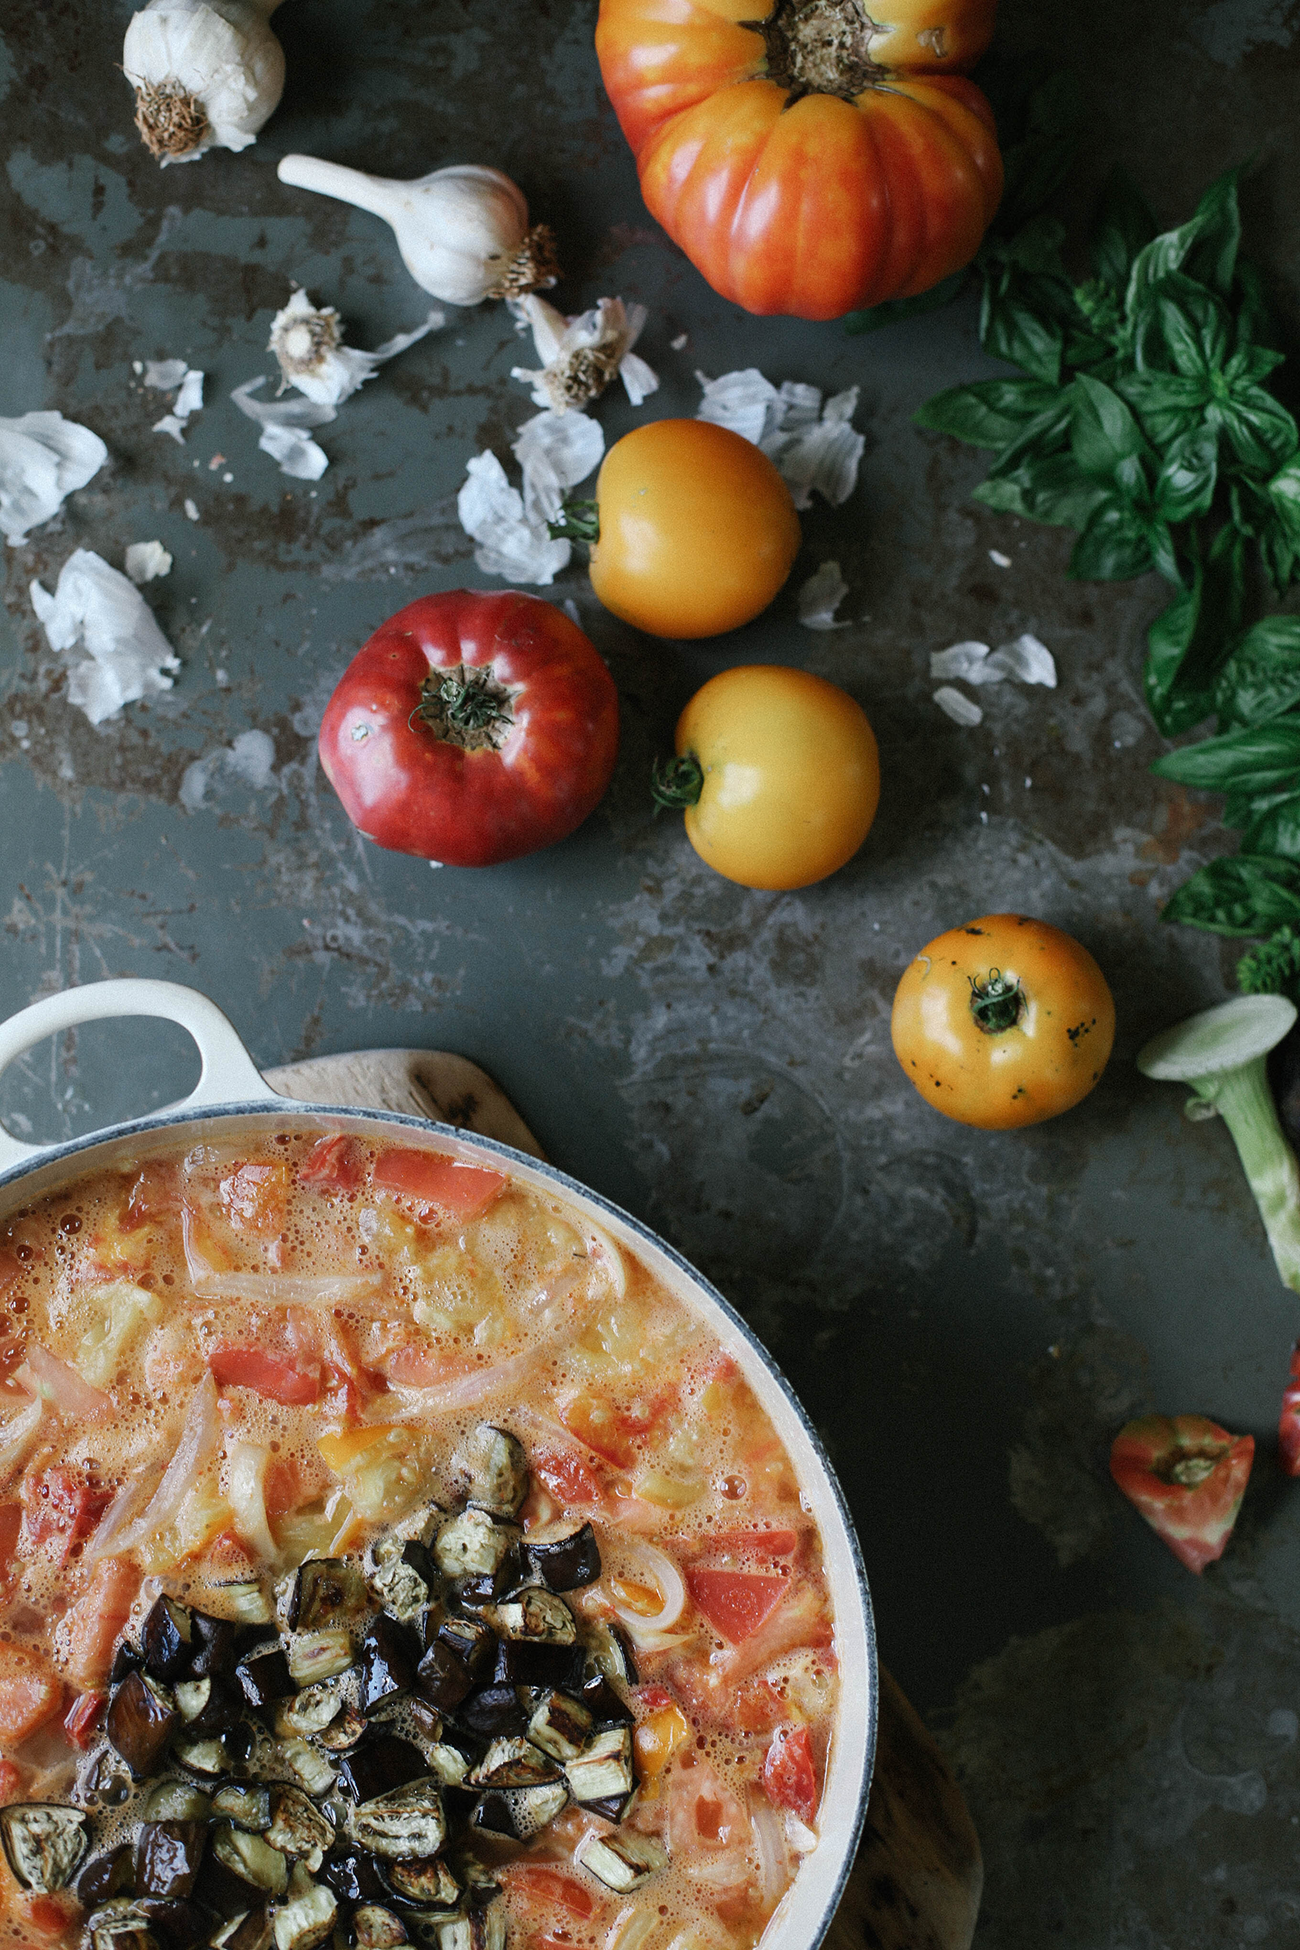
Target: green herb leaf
x=990 y=413
x=1242 y=895
x=1115 y=545
x=894 y=310
x=1194 y=326
x=1050 y=490
x=1188 y=477
x=1012 y=328
x=1104 y=434
x=1270 y=827
x=1260 y=758
x=1260 y=431
x=1274 y=968
x=1205 y=247
x=1175 y=708
x=1261 y=678
x=1125 y=226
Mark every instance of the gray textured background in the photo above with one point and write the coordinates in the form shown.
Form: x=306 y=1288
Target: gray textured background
x=968 y=1317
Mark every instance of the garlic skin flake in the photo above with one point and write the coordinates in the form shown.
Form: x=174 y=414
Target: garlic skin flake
x=206 y=73
x=581 y=355
x=813 y=445
x=284 y=424
x=463 y=231
x=145 y=560
x=1026 y=658
x=43 y=458
x=555 y=452
x=821 y=596
x=98 y=609
x=307 y=341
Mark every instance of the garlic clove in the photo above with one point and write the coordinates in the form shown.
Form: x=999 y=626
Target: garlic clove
x=580 y=356
x=463 y=231
x=206 y=73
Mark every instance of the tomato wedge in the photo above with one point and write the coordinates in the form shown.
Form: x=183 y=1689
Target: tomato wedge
x=759 y=1543
x=296 y=1383
x=788 y=1772
x=546 y=1888
x=334 y=1164
x=462 y=1190
x=1187 y=1477
x=735 y=1602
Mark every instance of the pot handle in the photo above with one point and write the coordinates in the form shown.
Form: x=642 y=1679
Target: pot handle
x=229 y=1074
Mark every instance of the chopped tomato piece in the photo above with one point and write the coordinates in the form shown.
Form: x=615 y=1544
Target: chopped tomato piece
x=758 y=1543
x=461 y=1190
x=569 y=1478
x=82 y=1718
x=788 y=1772
x=1187 y=1477
x=11 y=1782
x=61 y=1507
x=1288 y=1428
x=48 y=1919
x=800 y=1623
x=735 y=1602
x=282 y=1489
x=31 y=1692
x=545 y=1888
x=256 y=1198
x=758 y=1707
x=92 y=1626
x=334 y=1164
x=155 y=1194
x=11 y=1520
x=273 y=1376
x=651 y=1697
x=610 y=1431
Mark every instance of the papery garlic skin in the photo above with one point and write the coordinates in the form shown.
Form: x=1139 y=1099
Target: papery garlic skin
x=580 y=356
x=206 y=73
x=463 y=231
x=307 y=341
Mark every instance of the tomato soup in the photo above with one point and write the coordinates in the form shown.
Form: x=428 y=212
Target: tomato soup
x=387 y=1558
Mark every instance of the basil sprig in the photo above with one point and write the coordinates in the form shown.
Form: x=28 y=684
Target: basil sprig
x=1144 y=418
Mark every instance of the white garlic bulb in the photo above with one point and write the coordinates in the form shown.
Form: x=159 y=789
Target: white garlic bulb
x=206 y=73
x=463 y=232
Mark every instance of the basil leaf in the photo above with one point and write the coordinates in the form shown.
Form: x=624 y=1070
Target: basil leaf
x=1011 y=329
x=1187 y=479
x=1242 y=895
x=1124 y=226
x=1103 y=432
x=1115 y=545
x=990 y=413
x=1049 y=489
x=1205 y=247
x=1262 y=676
x=1255 y=321
x=894 y=310
x=1260 y=431
x=1274 y=827
x=1194 y=326
x=1175 y=708
x=1262 y=758
x=1251 y=365
x=1167 y=405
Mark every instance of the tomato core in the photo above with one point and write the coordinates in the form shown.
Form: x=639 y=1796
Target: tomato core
x=466 y=707
x=996 y=1003
x=819 y=47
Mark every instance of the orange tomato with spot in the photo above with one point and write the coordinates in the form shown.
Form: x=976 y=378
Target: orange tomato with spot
x=1002 y=1023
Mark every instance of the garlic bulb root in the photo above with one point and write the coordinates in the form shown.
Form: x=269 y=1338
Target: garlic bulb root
x=463 y=231
x=206 y=73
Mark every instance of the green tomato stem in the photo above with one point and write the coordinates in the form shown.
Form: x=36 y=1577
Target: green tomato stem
x=578 y=521
x=677 y=782
x=1244 y=1101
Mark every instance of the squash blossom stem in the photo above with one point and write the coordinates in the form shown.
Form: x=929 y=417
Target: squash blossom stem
x=1244 y=1101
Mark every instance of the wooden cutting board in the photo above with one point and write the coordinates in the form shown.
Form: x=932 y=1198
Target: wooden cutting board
x=917 y=1881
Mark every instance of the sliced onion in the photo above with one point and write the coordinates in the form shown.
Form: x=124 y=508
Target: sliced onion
x=246 y=1492
x=802 y=1838
x=118 y=1515
x=61 y=1386
x=731 y=1870
x=194 y=1452
x=18 y=1435
x=769 y=1840
x=286 y=1289
x=465 y=1389
x=659 y=1570
x=602 y=1248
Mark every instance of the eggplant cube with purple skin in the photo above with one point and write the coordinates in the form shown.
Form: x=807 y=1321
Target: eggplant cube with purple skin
x=402 y=1826
x=560 y=1727
x=307 y=1919
x=482 y=1929
x=603 y=1771
x=511 y=1763
x=536 y=1614
x=493 y=1469
x=472 y=1545
x=623 y=1861
x=44 y=1843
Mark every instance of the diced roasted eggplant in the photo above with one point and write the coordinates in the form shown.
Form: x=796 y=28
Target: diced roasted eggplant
x=208 y=1705
x=534 y=1662
x=208 y=1755
x=492 y=1710
x=403 y=1579
x=212 y=1646
x=565 y=1563
x=314 y=1656
x=168 y=1856
x=472 y=1640
x=250 y=1858
x=442 y=1678
x=139 y=1722
x=492 y=1470
x=297 y=1828
x=308 y=1766
x=377 y=1928
x=604 y=1704
x=479 y=1929
x=344 y=1731
x=126 y=1659
x=327 y=1592
x=425 y=1881
x=254 y=1931
x=44 y=1843
x=247 y=1601
x=389 y=1657
x=309 y=1712
x=513 y=1763
x=472 y=1545
x=560 y=1726
x=520 y=1812
x=381 y=1764
x=173 y=1800
x=536 y=1613
x=105 y=1876
x=402 y=1826
x=622 y=1862
x=353 y=1875
x=104 y=1780
x=604 y=1770
x=308 y=1917
x=263 y=1674
x=178 y=1922
x=608 y=1652
x=484 y=1588
x=448 y=1766
x=120 y=1925
x=613 y=1807
x=165 y=1639
x=239 y=1741
x=246 y=1803
x=192 y=1696
x=427 y=1718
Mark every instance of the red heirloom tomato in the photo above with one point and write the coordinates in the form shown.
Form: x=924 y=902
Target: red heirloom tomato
x=806 y=159
x=472 y=729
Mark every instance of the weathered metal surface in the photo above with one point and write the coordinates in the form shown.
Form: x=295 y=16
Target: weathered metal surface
x=969 y=1317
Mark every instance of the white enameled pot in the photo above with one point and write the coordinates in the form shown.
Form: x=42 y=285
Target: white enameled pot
x=232 y=1101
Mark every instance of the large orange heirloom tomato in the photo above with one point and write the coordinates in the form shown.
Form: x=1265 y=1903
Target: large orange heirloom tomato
x=806 y=159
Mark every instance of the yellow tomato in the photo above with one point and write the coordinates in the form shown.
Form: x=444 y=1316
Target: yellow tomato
x=697 y=530
x=1004 y=1022
x=778 y=774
